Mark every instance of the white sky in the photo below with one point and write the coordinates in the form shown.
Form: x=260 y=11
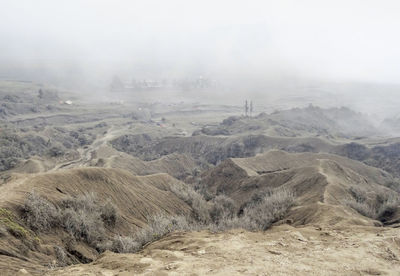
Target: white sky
x=329 y=40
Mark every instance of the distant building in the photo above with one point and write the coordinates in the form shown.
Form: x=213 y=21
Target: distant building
x=154 y=84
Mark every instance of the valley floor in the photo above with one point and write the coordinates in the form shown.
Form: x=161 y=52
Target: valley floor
x=282 y=250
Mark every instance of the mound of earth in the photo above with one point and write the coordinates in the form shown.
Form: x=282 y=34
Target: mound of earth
x=134 y=198
x=298 y=122
x=283 y=250
x=322 y=184
x=180 y=166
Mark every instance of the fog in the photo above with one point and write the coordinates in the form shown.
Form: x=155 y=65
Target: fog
x=255 y=47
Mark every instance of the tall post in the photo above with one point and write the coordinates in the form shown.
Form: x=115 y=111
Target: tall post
x=246 y=108
x=251 y=108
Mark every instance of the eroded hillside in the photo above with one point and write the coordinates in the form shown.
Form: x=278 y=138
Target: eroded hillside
x=124 y=187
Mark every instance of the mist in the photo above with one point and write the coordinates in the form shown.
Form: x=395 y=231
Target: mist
x=257 y=48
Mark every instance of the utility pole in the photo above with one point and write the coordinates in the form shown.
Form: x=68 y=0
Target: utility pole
x=246 y=108
x=251 y=108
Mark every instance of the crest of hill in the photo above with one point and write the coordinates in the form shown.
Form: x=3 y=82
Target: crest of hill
x=177 y=165
x=297 y=122
x=214 y=149
x=321 y=183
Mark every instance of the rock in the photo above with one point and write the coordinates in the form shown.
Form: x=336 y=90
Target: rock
x=23 y=272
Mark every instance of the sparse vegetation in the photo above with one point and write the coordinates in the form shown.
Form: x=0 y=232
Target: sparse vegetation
x=83 y=225
x=269 y=209
x=222 y=208
x=39 y=214
x=258 y=214
x=195 y=200
x=377 y=204
x=61 y=255
x=160 y=225
x=122 y=244
x=108 y=213
x=82 y=217
x=17 y=145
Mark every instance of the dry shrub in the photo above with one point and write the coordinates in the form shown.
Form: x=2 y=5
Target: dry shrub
x=362 y=208
x=109 y=213
x=82 y=217
x=271 y=208
x=39 y=214
x=122 y=244
x=234 y=222
x=258 y=214
x=86 y=202
x=84 y=225
x=160 y=225
x=377 y=204
x=85 y=219
x=61 y=256
x=388 y=206
x=222 y=208
x=194 y=200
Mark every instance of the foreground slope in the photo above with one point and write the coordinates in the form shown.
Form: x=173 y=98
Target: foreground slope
x=283 y=250
x=134 y=198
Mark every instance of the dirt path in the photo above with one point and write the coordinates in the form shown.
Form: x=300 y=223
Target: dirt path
x=283 y=250
x=86 y=154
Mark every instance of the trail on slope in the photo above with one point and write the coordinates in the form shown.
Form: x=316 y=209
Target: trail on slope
x=86 y=154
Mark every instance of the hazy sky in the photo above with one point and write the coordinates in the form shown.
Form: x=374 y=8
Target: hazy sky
x=317 y=39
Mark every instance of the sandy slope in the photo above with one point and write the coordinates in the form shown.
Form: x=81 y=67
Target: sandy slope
x=283 y=250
